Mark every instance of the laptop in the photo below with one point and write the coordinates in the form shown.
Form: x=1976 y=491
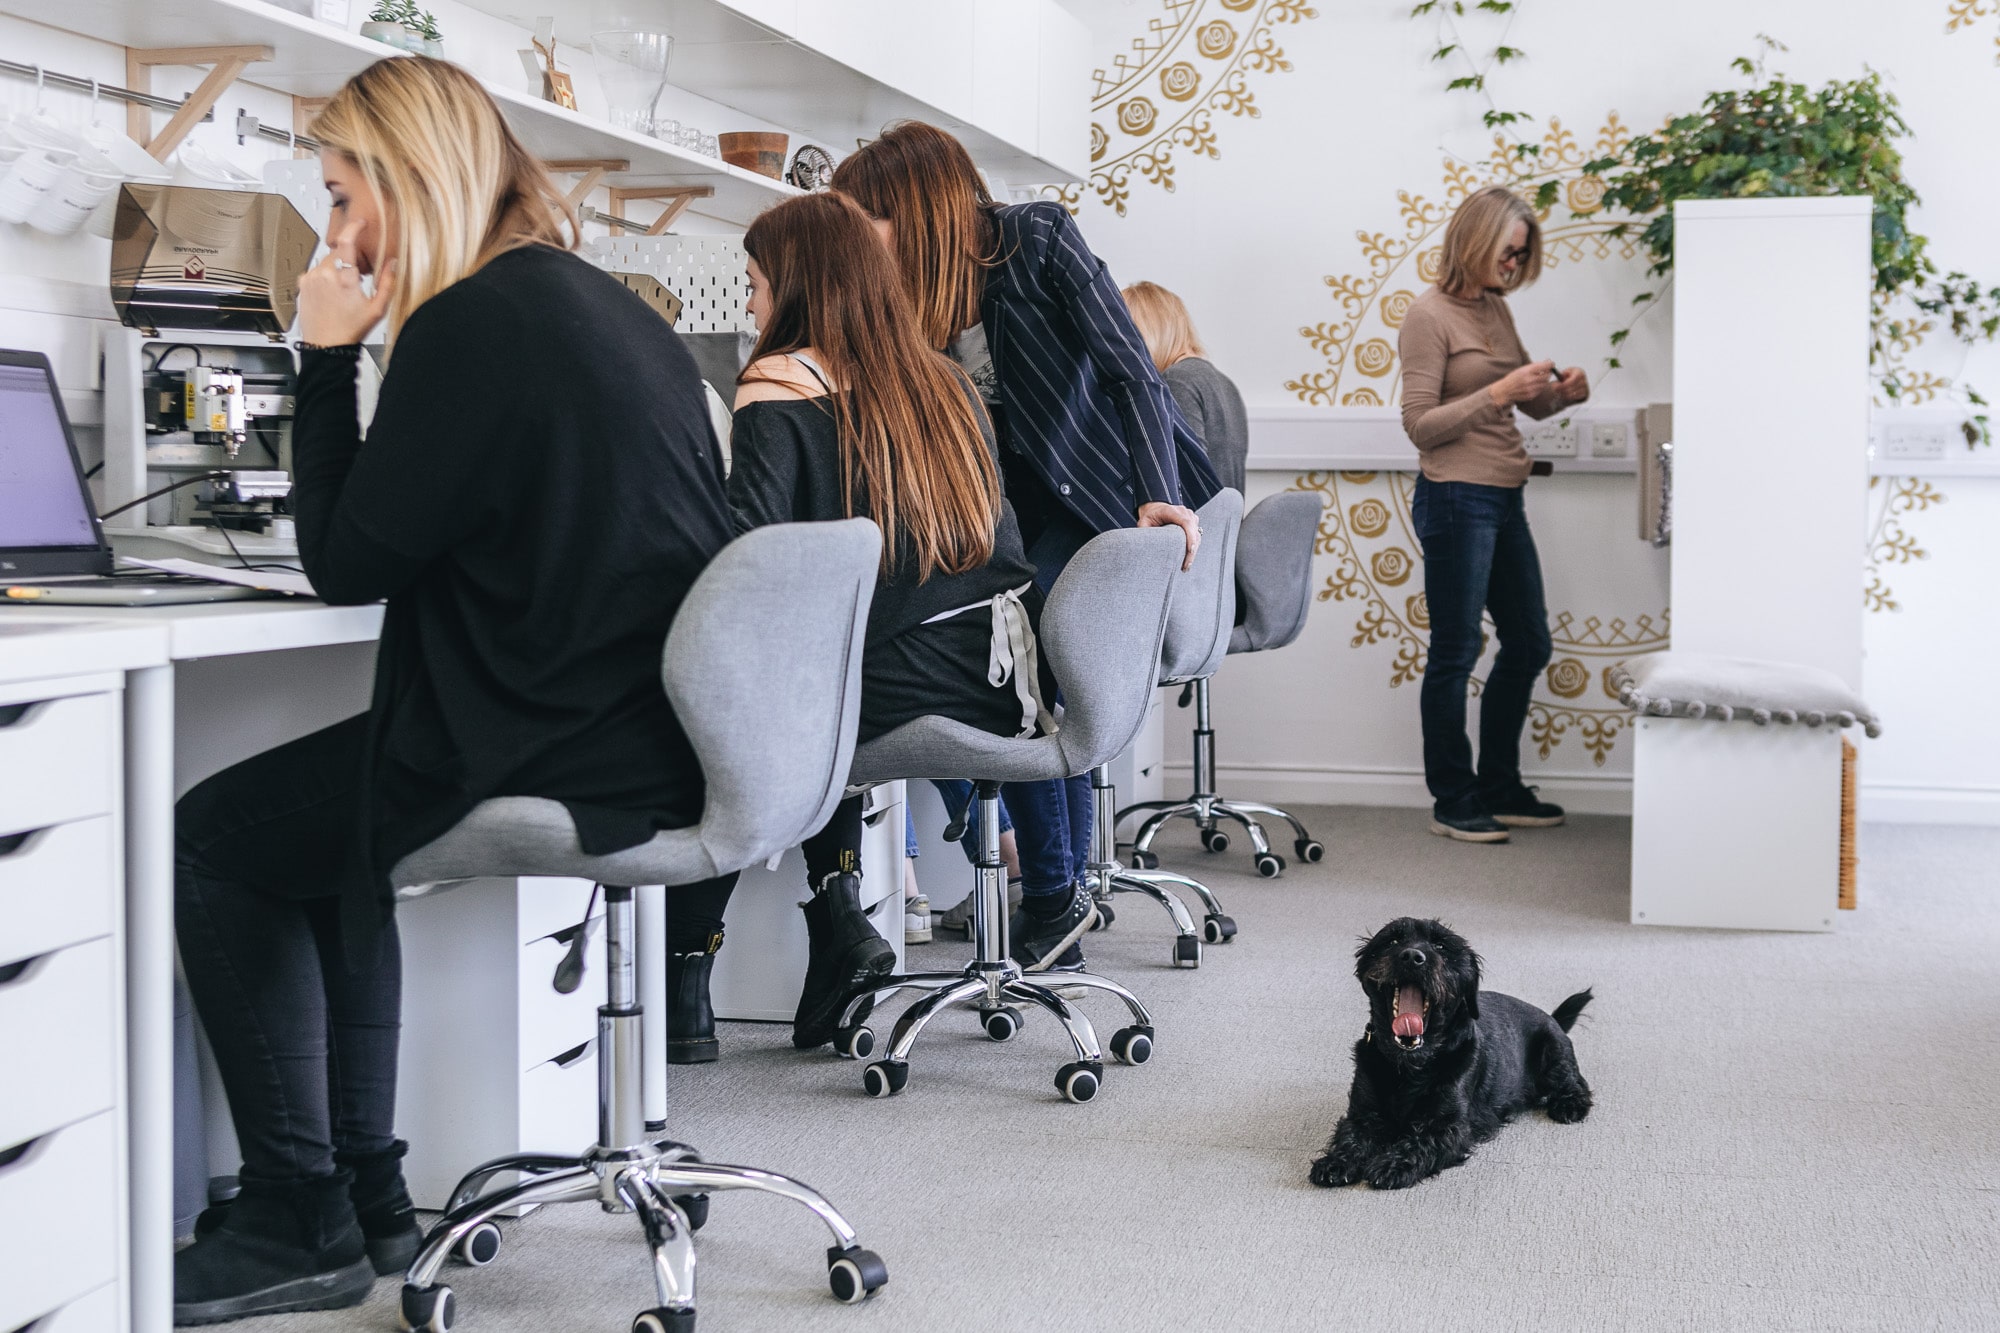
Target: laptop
x=52 y=546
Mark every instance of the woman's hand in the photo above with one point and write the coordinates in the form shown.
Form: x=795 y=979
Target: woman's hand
x=333 y=310
x=1575 y=385
x=1522 y=386
x=1158 y=515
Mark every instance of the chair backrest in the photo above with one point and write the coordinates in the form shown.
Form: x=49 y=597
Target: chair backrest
x=763 y=666
x=1101 y=628
x=1274 y=570
x=1204 y=609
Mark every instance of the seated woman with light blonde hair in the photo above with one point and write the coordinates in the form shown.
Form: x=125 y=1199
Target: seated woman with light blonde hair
x=1205 y=396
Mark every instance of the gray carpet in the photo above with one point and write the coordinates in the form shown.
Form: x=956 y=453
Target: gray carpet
x=1792 y=1132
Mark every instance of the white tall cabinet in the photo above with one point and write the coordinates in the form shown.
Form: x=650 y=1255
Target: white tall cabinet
x=1735 y=825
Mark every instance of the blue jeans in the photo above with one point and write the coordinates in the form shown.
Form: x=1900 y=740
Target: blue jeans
x=1051 y=831
x=957 y=792
x=1478 y=557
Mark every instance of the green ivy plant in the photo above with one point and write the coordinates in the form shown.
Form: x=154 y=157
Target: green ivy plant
x=1454 y=47
x=1780 y=138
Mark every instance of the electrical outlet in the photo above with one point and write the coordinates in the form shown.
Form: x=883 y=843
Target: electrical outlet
x=1554 y=438
x=1608 y=439
x=1918 y=442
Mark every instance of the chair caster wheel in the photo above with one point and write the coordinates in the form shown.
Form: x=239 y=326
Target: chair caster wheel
x=1001 y=1024
x=885 y=1078
x=855 y=1043
x=854 y=1274
x=1218 y=929
x=1133 y=1045
x=1145 y=861
x=664 y=1319
x=1079 y=1080
x=1105 y=916
x=1270 y=865
x=1310 y=850
x=428 y=1309
x=694 y=1207
x=480 y=1247
x=1214 y=840
x=1187 y=951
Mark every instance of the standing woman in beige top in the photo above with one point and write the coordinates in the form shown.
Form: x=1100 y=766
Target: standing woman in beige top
x=1464 y=373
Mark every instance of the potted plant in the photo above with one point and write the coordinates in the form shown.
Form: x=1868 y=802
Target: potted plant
x=399 y=23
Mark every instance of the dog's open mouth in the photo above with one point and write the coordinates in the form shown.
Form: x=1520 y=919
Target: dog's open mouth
x=1406 y=1016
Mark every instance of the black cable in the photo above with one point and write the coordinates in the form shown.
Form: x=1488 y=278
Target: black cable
x=95 y=468
x=161 y=355
x=235 y=551
x=154 y=495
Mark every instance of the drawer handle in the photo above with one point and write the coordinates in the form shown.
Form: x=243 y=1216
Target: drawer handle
x=15 y=842
x=19 y=971
x=19 y=1154
x=15 y=714
x=874 y=817
x=572 y=1055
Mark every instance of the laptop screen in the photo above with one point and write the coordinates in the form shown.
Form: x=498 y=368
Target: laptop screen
x=44 y=506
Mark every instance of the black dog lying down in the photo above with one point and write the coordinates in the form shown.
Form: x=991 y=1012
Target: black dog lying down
x=1443 y=1064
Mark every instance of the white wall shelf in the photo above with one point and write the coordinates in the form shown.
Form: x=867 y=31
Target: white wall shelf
x=312 y=59
x=840 y=70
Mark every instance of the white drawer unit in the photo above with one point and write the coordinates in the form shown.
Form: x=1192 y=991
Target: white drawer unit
x=58 y=886
x=491 y=1063
x=60 y=1212
x=99 y=1311
x=58 y=759
x=59 y=1051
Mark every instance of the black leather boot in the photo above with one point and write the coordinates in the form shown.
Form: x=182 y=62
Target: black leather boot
x=289 y=1246
x=690 y=1019
x=381 y=1205
x=846 y=954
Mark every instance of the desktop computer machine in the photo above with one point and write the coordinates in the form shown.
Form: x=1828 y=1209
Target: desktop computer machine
x=199 y=383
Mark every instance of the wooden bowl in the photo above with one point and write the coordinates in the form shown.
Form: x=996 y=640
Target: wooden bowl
x=755 y=151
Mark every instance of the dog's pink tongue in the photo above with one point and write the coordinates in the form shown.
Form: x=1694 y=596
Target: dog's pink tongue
x=1410 y=1018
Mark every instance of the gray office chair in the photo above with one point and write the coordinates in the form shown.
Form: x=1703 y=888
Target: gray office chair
x=763 y=666
x=1198 y=633
x=1274 y=578
x=1101 y=630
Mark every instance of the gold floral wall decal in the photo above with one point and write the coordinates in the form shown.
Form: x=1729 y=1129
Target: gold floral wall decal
x=1368 y=535
x=1372 y=305
x=1889 y=543
x=1962 y=14
x=1193 y=63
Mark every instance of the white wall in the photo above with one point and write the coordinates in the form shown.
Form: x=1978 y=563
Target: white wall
x=1328 y=181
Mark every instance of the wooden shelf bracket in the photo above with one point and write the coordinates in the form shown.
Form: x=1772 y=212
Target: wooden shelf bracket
x=679 y=197
x=226 y=64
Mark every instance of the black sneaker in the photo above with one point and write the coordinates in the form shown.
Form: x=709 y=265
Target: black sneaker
x=1467 y=821
x=1049 y=944
x=1522 y=808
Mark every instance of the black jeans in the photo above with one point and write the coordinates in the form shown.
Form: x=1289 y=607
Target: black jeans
x=1478 y=556
x=305 y=1035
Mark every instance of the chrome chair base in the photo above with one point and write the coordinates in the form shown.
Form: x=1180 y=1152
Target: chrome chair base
x=1207 y=810
x=663 y=1182
x=1108 y=877
x=995 y=985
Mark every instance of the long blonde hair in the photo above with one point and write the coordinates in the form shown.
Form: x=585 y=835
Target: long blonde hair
x=1162 y=320
x=430 y=140
x=1476 y=235
x=908 y=430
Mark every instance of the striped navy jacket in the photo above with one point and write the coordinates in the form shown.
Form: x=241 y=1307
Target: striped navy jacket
x=1082 y=403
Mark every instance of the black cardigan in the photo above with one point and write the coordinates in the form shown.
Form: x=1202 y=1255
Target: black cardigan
x=537 y=492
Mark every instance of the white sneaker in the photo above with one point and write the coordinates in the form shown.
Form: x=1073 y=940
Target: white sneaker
x=917 y=920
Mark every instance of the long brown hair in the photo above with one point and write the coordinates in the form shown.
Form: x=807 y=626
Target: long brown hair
x=909 y=432
x=922 y=181
x=429 y=139
x=1475 y=236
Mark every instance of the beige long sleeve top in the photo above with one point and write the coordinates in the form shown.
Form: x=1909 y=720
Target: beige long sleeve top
x=1452 y=350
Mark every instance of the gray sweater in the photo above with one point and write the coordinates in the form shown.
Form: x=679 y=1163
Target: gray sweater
x=1213 y=407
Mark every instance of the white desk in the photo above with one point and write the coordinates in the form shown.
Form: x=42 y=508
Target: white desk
x=205 y=686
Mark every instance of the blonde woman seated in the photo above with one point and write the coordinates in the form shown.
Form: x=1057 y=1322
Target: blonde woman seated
x=845 y=410
x=1205 y=396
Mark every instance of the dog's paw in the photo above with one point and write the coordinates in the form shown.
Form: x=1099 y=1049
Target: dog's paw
x=1569 y=1106
x=1397 y=1171
x=1334 y=1170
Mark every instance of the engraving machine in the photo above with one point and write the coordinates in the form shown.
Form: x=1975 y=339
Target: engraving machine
x=199 y=380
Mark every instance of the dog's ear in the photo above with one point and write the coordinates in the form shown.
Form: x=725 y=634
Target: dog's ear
x=1469 y=966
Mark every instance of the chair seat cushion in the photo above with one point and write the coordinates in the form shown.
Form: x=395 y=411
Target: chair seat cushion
x=527 y=835
x=1676 y=684
x=939 y=747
